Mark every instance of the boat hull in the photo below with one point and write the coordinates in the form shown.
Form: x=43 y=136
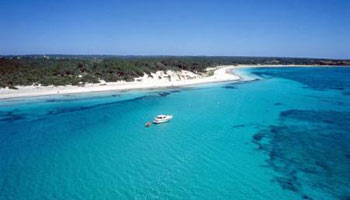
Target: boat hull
x=160 y=121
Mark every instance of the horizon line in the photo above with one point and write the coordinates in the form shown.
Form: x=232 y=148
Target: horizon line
x=163 y=55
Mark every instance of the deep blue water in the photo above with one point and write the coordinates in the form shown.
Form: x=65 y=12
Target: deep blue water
x=285 y=135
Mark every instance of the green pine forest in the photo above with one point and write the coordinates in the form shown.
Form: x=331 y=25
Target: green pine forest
x=76 y=70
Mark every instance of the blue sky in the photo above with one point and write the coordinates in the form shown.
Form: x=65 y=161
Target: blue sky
x=293 y=28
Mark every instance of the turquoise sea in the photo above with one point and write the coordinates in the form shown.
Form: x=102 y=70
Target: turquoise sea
x=284 y=134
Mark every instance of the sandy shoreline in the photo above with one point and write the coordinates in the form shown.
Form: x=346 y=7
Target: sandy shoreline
x=162 y=80
x=159 y=80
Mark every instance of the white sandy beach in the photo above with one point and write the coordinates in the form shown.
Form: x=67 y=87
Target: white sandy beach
x=158 y=80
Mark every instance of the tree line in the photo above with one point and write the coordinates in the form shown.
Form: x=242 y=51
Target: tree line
x=75 y=70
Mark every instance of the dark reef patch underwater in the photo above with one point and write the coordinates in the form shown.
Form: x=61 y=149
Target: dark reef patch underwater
x=309 y=149
x=10 y=117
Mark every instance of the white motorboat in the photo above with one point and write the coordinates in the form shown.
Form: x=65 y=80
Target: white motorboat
x=162 y=119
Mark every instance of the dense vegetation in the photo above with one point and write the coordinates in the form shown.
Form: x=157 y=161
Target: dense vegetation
x=75 y=70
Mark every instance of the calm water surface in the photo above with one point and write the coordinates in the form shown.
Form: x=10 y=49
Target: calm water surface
x=284 y=136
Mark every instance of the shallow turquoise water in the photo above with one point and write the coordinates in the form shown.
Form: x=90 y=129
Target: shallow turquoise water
x=285 y=136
